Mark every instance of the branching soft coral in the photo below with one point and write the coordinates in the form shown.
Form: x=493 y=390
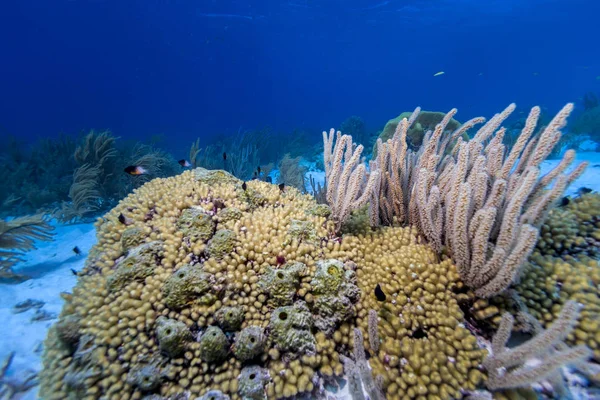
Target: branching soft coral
x=83 y=193
x=18 y=236
x=537 y=359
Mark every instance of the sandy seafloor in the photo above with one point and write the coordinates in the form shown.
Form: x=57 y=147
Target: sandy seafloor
x=50 y=267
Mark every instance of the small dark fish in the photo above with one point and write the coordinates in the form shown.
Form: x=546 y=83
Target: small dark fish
x=124 y=220
x=269 y=179
x=564 y=201
x=379 y=293
x=184 y=163
x=135 y=170
x=224 y=156
x=244 y=186
x=282 y=186
x=74 y=272
x=596 y=166
x=258 y=169
x=583 y=190
x=76 y=250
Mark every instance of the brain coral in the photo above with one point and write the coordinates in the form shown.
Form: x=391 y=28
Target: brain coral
x=229 y=279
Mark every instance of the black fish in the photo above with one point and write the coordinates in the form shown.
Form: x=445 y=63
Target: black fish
x=224 y=156
x=225 y=161
x=135 y=170
x=76 y=250
x=184 y=163
x=124 y=220
x=564 y=201
x=379 y=293
x=258 y=169
x=583 y=190
x=74 y=272
x=244 y=186
x=281 y=186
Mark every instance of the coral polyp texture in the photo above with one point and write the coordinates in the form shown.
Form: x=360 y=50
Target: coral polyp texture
x=424 y=349
x=211 y=286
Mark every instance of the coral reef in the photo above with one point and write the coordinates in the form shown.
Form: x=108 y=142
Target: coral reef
x=222 y=288
x=424 y=348
x=477 y=200
x=249 y=343
x=508 y=368
x=573 y=229
x=151 y=308
x=548 y=283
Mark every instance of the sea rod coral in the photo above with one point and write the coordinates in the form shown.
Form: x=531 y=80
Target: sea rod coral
x=478 y=200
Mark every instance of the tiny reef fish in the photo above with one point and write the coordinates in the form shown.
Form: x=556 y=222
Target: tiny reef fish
x=282 y=186
x=564 y=201
x=135 y=170
x=439 y=73
x=583 y=190
x=244 y=186
x=73 y=272
x=76 y=250
x=379 y=293
x=124 y=220
x=184 y=163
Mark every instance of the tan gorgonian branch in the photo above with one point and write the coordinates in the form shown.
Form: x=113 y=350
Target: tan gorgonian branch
x=349 y=185
x=449 y=186
x=507 y=367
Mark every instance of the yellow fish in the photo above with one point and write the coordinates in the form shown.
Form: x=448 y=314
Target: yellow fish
x=439 y=73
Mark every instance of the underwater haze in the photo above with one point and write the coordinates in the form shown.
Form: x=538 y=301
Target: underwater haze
x=300 y=199
x=193 y=68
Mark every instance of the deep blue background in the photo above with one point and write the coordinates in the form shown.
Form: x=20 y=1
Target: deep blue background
x=197 y=68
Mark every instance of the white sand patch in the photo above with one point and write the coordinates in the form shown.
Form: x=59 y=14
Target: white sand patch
x=50 y=268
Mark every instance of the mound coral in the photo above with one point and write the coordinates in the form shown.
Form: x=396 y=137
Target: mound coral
x=573 y=229
x=424 y=349
x=201 y=296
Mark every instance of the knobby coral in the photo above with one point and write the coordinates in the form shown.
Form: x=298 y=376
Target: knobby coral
x=187 y=308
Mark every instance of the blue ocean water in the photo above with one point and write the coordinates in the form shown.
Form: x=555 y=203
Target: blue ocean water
x=197 y=68
x=98 y=97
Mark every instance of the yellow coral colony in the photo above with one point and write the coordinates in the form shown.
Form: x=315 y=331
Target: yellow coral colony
x=221 y=289
x=141 y=318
